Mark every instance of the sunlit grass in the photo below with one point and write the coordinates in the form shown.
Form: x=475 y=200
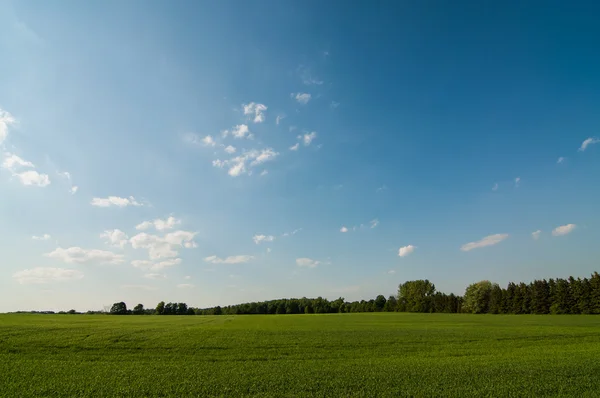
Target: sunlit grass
x=381 y=354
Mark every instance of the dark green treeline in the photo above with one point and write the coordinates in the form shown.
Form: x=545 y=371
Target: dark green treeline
x=553 y=296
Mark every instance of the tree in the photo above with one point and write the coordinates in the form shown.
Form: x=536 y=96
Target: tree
x=391 y=304
x=380 y=302
x=595 y=293
x=118 y=309
x=477 y=297
x=415 y=296
x=138 y=309
x=160 y=308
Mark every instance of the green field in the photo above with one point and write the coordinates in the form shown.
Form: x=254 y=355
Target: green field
x=376 y=354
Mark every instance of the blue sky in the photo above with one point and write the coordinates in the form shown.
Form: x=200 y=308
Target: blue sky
x=214 y=153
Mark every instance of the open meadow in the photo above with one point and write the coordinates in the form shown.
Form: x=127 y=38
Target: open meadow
x=375 y=354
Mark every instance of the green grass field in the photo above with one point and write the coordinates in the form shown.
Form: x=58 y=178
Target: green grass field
x=376 y=354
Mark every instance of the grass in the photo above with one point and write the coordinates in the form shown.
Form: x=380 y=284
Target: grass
x=367 y=355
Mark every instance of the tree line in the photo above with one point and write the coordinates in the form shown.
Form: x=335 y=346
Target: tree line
x=552 y=296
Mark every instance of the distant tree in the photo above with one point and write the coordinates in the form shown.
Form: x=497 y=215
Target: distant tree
x=138 y=309
x=391 y=304
x=495 y=305
x=181 y=309
x=415 y=296
x=118 y=309
x=595 y=293
x=71 y=312
x=380 y=302
x=561 y=300
x=218 y=311
x=477 y=297
x=160 y=308
x=309 y=309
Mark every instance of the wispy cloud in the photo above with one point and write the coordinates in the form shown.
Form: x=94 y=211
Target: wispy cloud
x=564 y=230
x=495 y=187
x=343 y=229
x=230 y=149
x=256 y=110
x=381 y=188
x=41 y=275
x=588 y=142
x=166 y=246
x=308 y=138
x=159 y=224
x=536 y=235
x=12 y=162
x=155 y=276
x=279 y=118
x=295 y=147
x=517 y=182
x=406 y=250
x=156 y=266
x=391 y=272
x=6 y=119
x=302 y=98
x=374 y=223
x=263 y=238
x=560 y=160
x=139 y=287
x=307 y=262
x=77 y=255
x=294 y=232
x=487 y=241
x=334 y=104
x=239 y=131
x=115 y=201
x=43 y=237
x=185 y=286
x=208 y=141
x=229 y=260
x=115 y=238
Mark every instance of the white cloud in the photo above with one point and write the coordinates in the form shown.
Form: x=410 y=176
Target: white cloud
x=257 y=110
x=307 y=262
x=374 y=223
x=588 y=142
x=115 y=238
x=40 y=275
x=149 y=265
x=309 y=137
x=263 y=238
x=77 y=255
x=264 y=173
x=185 y=286
x=163 y=247
x=191 y=138
x=302 y=98
x=187 y=277
x=278 y=119
x=343 y=229
x=239 y=166
x=43 y=237
x=295 y=147
x=159 y=224
x=495 y=187
x=155 y=276
x=6 y=119
x=140 y=287
x=294 y=232
x=239 y=131
x=229 y=260
x=536 y=235
x=487 y=241
x=219 y=163
x=229 y=149
x=208 y=141
x=74 y=189
x=406 y=250
x=264 y=156
x=517 y=182
x=115 y=201
x=563 y=230
x=560 y=160
x=392 y=271
x=12 y=161
x=144 y=264
x=32 y=177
